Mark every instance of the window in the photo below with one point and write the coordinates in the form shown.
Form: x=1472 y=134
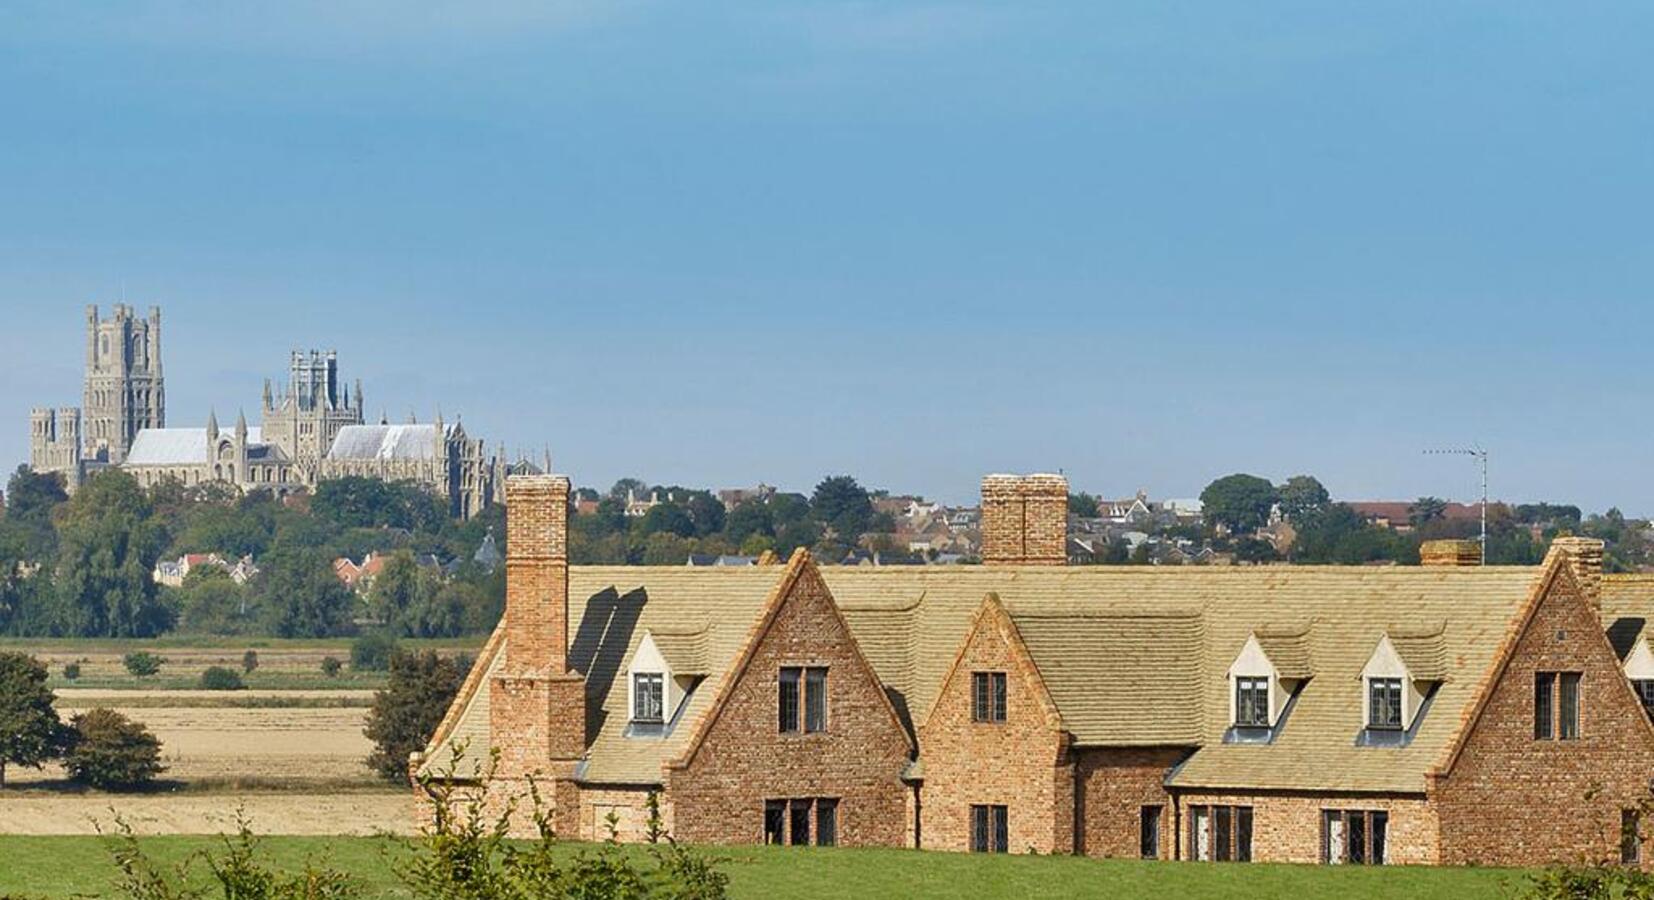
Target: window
x=1148 y=832
x=1568 y=710
x=990 y=831
x=788 y=821
x=988 y=696
x=648 y=697
x=1630 y=837
x=1645 y=693
x=1556 y=705
x=799 y=830
x=787 y=699
x=1220 y=833
x=1252 y=702
x=775 y=815
x=815 y=700
x=1354 y=836
x=1544 y=686
x=1384 y=703
x=826 y=823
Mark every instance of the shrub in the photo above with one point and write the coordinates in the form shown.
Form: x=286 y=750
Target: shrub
x=30 y=731
x=220 y=678
x=331 y=667
x=142 y=663
x=71 y=671
x=237 y=869
x=111 y=751
x=249 y=661
x=372 y=652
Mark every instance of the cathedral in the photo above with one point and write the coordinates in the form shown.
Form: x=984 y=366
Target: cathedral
x=312 y=432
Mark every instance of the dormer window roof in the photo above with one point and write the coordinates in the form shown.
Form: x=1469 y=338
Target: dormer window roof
x=662 y=674
x=1263 y=682
x=1398 y=682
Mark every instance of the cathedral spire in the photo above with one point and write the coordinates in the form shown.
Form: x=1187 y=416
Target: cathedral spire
x=212 y=426
x=267 y=403
x=241 y=426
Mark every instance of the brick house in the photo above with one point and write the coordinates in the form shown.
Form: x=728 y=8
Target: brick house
x=1439 y=714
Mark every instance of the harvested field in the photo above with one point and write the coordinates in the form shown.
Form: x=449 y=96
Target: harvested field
x=86 y=698
x=362 y=812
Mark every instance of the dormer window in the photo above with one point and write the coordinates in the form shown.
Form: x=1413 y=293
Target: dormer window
x=648 y=697
x=1384 y=703
x=1251 y=702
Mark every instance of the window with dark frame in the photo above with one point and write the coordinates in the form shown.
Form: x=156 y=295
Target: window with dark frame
x=1630 y=837
x=1384 y=703
x=988 y=697
x=826 y=822
x=1220 y=833
x=1645 y=693
x=1354 y=836
x=648 y=697
x=798 y=831
x=1251 y=702
x=775 y=822
x=990 y=829
x=1544 y=691
x=1148 y=832
x=787 y=698
x=1567 y=708
x=815 y=700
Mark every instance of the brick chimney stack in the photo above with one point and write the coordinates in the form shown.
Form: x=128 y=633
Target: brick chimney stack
x=537 y=708
x=1024 y=520
x=1584 y=556
x=1450 y=553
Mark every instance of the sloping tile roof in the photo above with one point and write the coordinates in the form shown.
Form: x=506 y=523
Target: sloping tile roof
x=1288 y=649
x=1627 y=609
x=176 y=446
x=1422 y=649
x=385 y=442
x=1131 y=656
x=684 y=651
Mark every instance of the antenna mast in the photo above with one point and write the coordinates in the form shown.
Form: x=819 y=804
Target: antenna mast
x=1476 y=452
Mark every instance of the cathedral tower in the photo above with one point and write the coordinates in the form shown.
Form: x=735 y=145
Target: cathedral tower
x=125 y=391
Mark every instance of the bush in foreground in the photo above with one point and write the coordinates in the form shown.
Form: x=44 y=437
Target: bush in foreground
x=406 y=713
x=112 y=752
x=219 y=678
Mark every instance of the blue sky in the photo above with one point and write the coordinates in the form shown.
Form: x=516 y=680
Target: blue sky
x=1148 y=243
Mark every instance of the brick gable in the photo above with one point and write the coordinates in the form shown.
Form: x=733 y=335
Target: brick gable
x=1504 y=795
x=738 y=758
x=1022 y=763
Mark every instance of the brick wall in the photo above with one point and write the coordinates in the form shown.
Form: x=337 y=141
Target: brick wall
x=743 y=760
x=1115 y=785
x=1286 y=827
x=1022 y=763
x=1025 y=520
x=1513 y=800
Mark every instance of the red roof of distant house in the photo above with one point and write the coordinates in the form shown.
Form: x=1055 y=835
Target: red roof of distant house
x=1398 y=511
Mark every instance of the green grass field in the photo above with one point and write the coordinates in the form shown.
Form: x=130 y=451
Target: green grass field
x=80 y=866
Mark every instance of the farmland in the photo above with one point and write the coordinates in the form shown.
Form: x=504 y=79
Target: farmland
x=289 y=749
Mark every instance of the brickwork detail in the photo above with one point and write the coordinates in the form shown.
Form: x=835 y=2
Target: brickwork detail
x=1450 y=553
x=1025 y=520
x=1115 y=785
x=1022 y=763
x=1518 y=800
x=718 y=791
x=1286 y=828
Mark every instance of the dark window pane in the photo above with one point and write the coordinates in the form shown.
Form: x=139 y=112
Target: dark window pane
x=1630 y=837
x=1148 y=837
x=1645 y=693
x=1543 y=684
x=775 y=818
x=1243 y=834
x=999 y=697
x=1221 y=825
x=826 y=822
x=979 y=696
x=1381 y=836
x=801 y=823
x=1252 y=702
x=979 y=829
x=1002 y=830
x=1383 y=703
x=815 y=700
x=1356 y=836
x=648 y=690
x=787 y=699
x=1568 y=709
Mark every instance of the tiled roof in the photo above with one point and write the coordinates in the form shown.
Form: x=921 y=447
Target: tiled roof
x=1131 y=656
x=1627 y=608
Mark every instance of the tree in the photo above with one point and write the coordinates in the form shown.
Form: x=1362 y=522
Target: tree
x=1255 y=550
x=112 y=752
x=249 y=661
x=27 y=525
x=1082 y=505
x=748 y=518
x=210 y=602
x=666 y=549
x=406 y=713
x=30 y=731
x=628 y=486
x=372 y=652
x=667 y=517
x=142 y=663
x=1302 y=495
x=395 y=589
x=299 y=595
x=843 y=506
x=221 y=678
x=1239 y=503
x=706 y=512
x=1425 y=510
x=107 y=550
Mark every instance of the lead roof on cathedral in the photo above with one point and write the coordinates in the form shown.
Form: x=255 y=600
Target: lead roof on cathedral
x=386 y=442
x=176 y=446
